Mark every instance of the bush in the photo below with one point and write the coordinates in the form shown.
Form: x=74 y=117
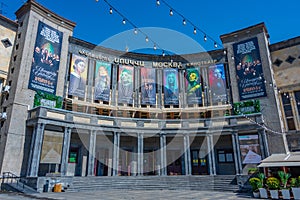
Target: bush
x=273 y=183
x=255 y=183
x=284 y=177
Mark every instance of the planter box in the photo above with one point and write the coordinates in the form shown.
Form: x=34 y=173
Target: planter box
x=263 y=193
x=285 y=194
x=296 y=193
x=274 y=194
x=256 y=194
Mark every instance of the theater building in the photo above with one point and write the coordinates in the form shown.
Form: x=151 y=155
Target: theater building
x=79 y=109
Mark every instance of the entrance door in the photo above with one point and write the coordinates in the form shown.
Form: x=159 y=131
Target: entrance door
x=199 y=163
x=102 y=163
x=149 y=162
x=174 y=160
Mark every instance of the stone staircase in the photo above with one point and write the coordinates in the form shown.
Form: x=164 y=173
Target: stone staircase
x=208 y=183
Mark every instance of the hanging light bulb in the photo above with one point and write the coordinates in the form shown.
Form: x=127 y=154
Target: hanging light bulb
x=157 y=2
x=163 y=53
x=124 y=21
x=97 y=0
x=171 y=12
x=110 y=11
x=126 y=49
x=195 y=31
x=183 y=22
x=215 y=45
x=154 y=47
x=205 y=38
x=147 y=39
x=225 y=52
x=135 y=31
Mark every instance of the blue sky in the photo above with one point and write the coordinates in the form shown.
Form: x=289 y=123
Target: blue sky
x=95 y=24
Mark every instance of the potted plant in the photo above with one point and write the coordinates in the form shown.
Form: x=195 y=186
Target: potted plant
x=252 y=170
x=262 y=191
x=295 y=182
x=255 y=183
x=284 y=177
x=273 y=184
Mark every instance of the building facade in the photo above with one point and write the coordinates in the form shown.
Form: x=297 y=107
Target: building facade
x=79 y=109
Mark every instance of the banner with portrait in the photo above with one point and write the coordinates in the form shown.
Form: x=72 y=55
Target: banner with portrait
x=193 y=86
x=171 y=91
x=217 y=83
x=148 y=86
x=125 y=84
x=250 y=149
x=46 y=59
x=78 y=76
x=102 y=81
x=249 y=69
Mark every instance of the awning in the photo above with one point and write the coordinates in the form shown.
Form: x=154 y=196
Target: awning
x=291 y=159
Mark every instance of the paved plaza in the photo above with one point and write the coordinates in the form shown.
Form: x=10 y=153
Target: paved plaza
x=130 y=195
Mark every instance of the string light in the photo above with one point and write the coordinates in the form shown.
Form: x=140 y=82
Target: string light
x=171 y=12
x=110 y=11
x=154 y=47
x=135 y=31
x=157 y=2
x=183 y=22
x=205 y=38
x=124 y=21
x=163 y=54
x=195 y=31
x=215 y=45
x=147 y=39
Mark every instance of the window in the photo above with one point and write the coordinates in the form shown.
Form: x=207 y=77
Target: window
x=297 y=99
x=288 y=111
x=225 y=156
x=6 y=42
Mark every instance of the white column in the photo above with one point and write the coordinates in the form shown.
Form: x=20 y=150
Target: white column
x=116 y=153
x=163 y=154
x=186 y=146
x=140 y=153
x=91 y=153
x=35 y=150
x=65 y=151
x=235 y=153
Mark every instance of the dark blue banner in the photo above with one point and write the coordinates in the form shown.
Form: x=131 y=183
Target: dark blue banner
x=148 y=88
x=46 y=59
x=249 y=69
x=125 y=84
x=193 y=86
x=217 y=83
x=171 y=91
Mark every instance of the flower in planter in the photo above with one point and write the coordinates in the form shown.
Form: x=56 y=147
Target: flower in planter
x=284 y=177
x=273 y=183
x=255 y=183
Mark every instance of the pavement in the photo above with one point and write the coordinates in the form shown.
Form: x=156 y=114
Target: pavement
x=129 y=195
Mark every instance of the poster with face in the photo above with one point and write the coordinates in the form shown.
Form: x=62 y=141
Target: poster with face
x=217 y=83
x=46 y=59
x=148 y=87
x=102 y=81
x=78 y=76
x=125 y=84
x=171 y=92
x=193 y=86
x=250 y=149
x=249 y=71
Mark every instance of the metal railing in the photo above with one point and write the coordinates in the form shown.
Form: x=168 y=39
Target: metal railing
x=12 y=179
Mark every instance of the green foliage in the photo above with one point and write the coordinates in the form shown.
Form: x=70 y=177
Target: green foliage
x=246 y=107
x=252 y=170
x=284 y=177
x=273 y=183
x=255 y=183
x=295 y=182
x=41 y=95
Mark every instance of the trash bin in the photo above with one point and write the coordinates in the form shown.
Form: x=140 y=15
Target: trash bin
x=57 y=187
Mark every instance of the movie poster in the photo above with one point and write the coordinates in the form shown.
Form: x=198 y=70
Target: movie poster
x=148 y=88
x=217 y=83
x=102 y=81
x=249 y=71
x=78 y=75
x=250 y=149
x=171 y=92
x=125 y=84
x=193 y=86
x=46 y=59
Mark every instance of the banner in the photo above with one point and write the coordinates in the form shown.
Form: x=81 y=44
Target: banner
x=102 y=81
x=46 y=59
x=78 y=76
x=250 y=149
x=125 y=84
x=52 y=147
x=249 y=69
x=217 y=83
x=148 y=86
x=47 y=100
x=193 y=86
x=171 y=92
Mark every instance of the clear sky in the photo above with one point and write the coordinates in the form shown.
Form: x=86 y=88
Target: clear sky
x=215 y=18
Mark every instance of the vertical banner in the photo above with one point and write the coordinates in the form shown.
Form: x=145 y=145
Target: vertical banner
x=52 y=147
x=249 y=69
x=102 y=81
x=217 y=83
x=148 y=88
x=250 y=149
x=78 y=75
x=125 y=84
x=46 y=59
x=171 y=92
x=193 y=86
